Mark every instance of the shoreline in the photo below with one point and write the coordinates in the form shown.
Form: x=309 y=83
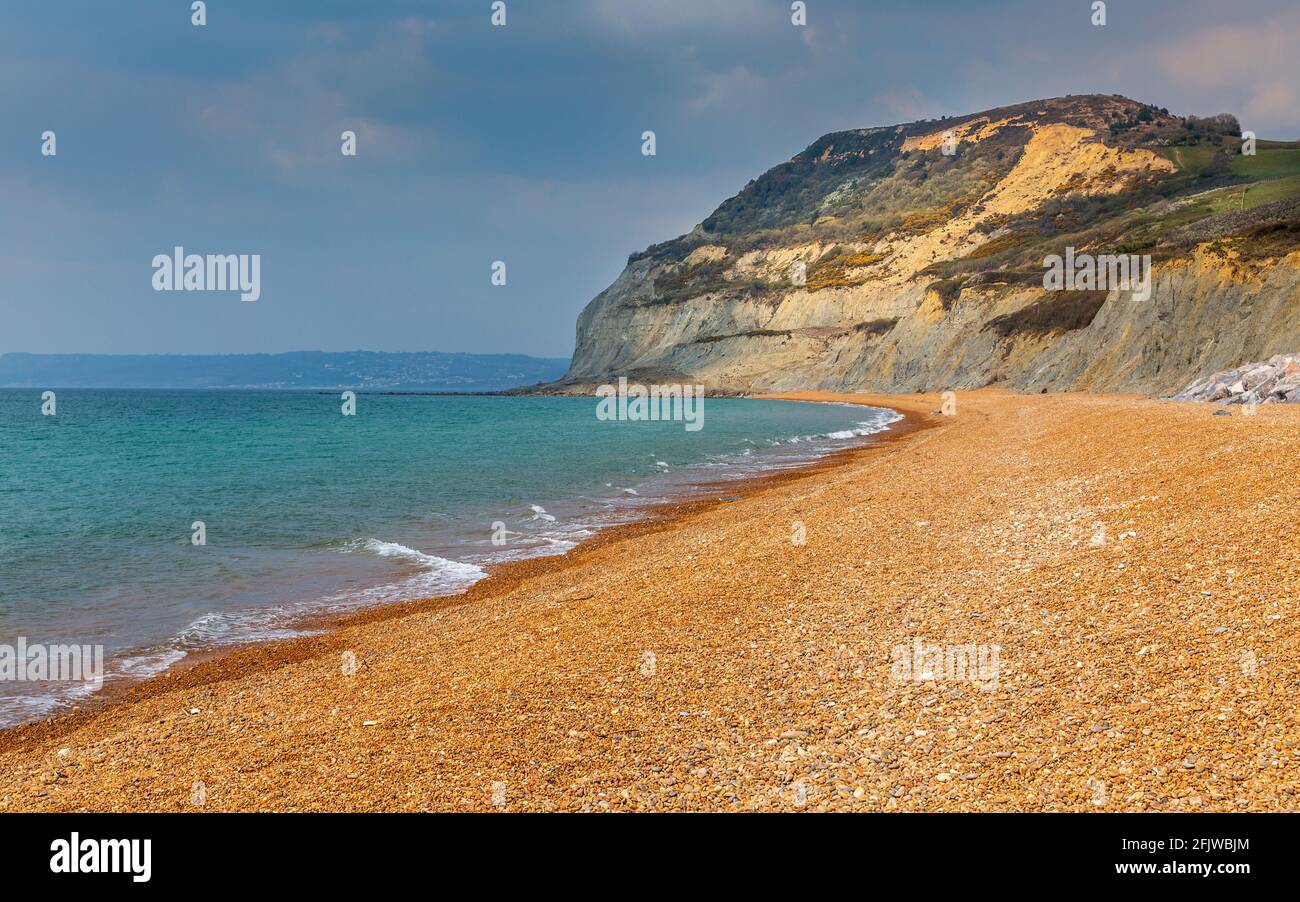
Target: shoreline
x=1127 y=564
x=210 y=666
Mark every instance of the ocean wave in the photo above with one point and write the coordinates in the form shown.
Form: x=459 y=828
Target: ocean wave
x=440 y=573
x=217 y=629
x=539 y=513
x=859 y=430
x=144 y=665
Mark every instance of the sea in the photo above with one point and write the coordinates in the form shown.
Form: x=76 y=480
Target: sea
x=154 y=524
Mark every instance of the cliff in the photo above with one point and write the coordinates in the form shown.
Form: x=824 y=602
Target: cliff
x=912 y=258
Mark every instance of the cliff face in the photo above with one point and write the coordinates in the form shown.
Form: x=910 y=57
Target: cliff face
x=912 y=257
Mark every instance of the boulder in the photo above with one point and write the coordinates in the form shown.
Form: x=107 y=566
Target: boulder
x=1277 y=381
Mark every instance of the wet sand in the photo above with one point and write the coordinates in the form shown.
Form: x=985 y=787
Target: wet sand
x=1132 y=562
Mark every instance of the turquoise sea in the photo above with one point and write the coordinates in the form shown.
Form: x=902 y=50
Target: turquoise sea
x=306 y=510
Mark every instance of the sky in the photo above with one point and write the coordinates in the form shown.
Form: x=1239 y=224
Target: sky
x=479 y=143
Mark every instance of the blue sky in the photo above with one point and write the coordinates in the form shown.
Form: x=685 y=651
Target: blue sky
x=478 y=143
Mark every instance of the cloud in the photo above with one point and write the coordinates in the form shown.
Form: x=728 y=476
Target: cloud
x=1273 y=103
x=1251 y=68
x=666 y=16
x=722 y=90
x=291 y=115
x=907 y=104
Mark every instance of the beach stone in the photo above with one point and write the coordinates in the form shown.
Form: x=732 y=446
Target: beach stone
x=1276 y=381
x=480 y=695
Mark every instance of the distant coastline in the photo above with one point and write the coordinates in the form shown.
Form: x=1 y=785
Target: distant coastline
x=430 y=371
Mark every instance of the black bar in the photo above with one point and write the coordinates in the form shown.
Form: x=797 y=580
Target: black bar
x=960 y=851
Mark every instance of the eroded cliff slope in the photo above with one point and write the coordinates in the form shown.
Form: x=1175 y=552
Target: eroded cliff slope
x=912 y=258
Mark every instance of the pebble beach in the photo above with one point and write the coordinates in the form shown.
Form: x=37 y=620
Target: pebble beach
x=1123 y=571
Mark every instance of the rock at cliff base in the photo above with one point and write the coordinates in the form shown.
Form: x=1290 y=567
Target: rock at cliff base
x=1275 y=382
